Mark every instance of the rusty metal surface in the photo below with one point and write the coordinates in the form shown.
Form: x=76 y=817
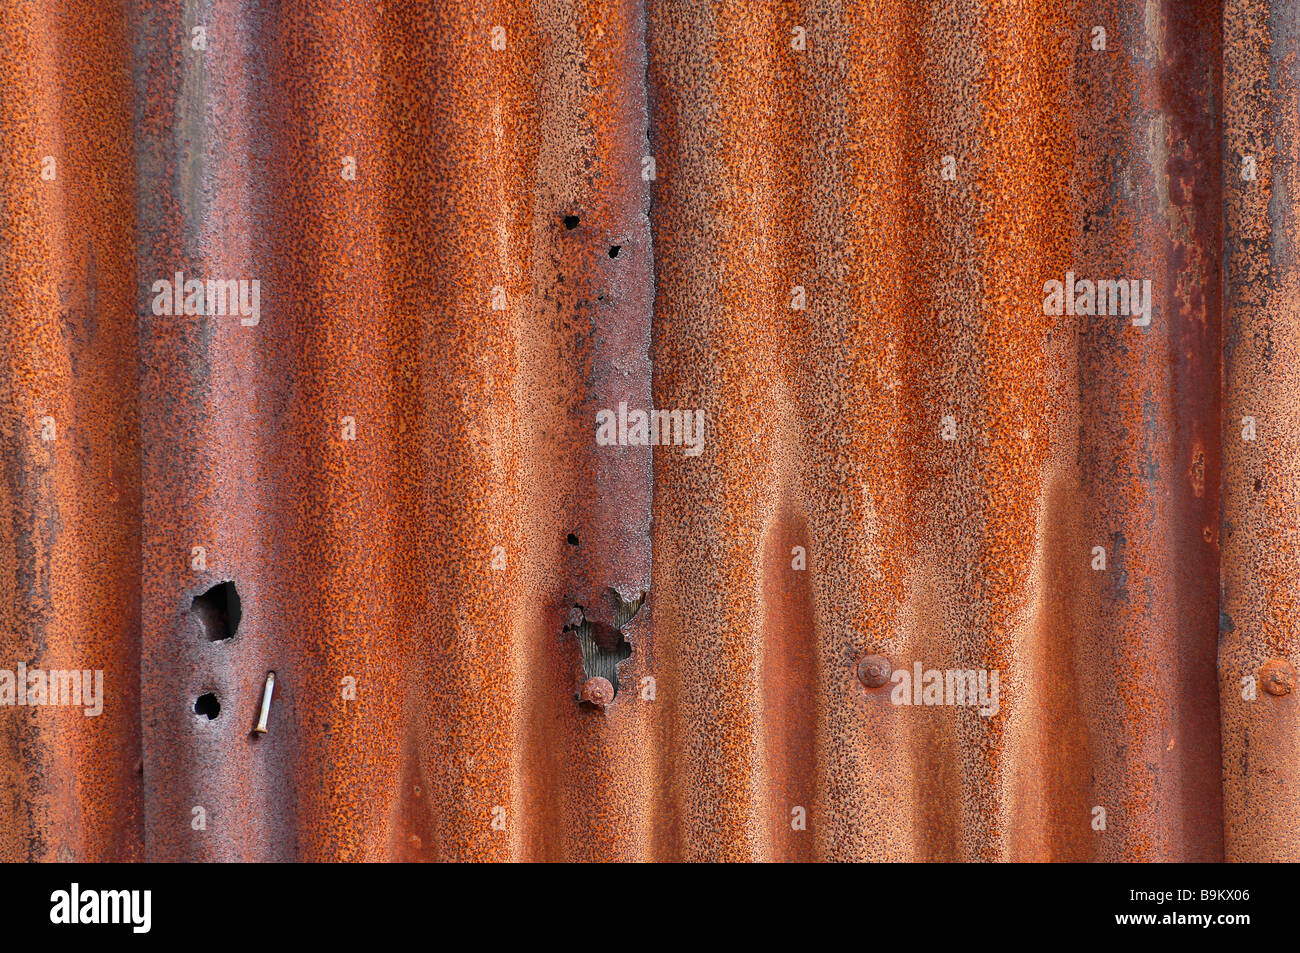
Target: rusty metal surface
x=828 y=226
x=1260 y=473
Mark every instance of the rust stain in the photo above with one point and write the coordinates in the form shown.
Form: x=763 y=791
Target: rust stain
x=475 y=230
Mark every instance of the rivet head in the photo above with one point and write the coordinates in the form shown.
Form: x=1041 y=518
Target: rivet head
x=1278 y=676
x=874 y=670
x=597 y=691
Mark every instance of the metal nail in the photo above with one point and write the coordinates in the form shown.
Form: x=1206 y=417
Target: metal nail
x=266 y=704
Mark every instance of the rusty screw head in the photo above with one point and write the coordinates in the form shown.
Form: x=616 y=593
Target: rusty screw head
x=1278 y=676
x=874 y=670
x=597 y=691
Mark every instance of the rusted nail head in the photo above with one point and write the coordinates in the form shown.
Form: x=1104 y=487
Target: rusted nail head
x=874 y=670
x=598 y=691
x=1278 y=676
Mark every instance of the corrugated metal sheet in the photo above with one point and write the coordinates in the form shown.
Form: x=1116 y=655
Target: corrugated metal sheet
x=826 y=225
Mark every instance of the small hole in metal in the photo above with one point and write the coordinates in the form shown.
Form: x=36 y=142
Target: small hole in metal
x=220 y=611
x=207 y=704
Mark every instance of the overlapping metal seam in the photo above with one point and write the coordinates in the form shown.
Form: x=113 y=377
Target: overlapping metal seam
x=1258 y=602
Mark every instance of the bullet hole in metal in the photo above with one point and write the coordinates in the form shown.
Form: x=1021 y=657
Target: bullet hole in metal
x=207 y=704
x=1258 y=484
x=613 y=250
x=573 y=539
x=219 y=611
x=604 y=647
x=570 y=222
